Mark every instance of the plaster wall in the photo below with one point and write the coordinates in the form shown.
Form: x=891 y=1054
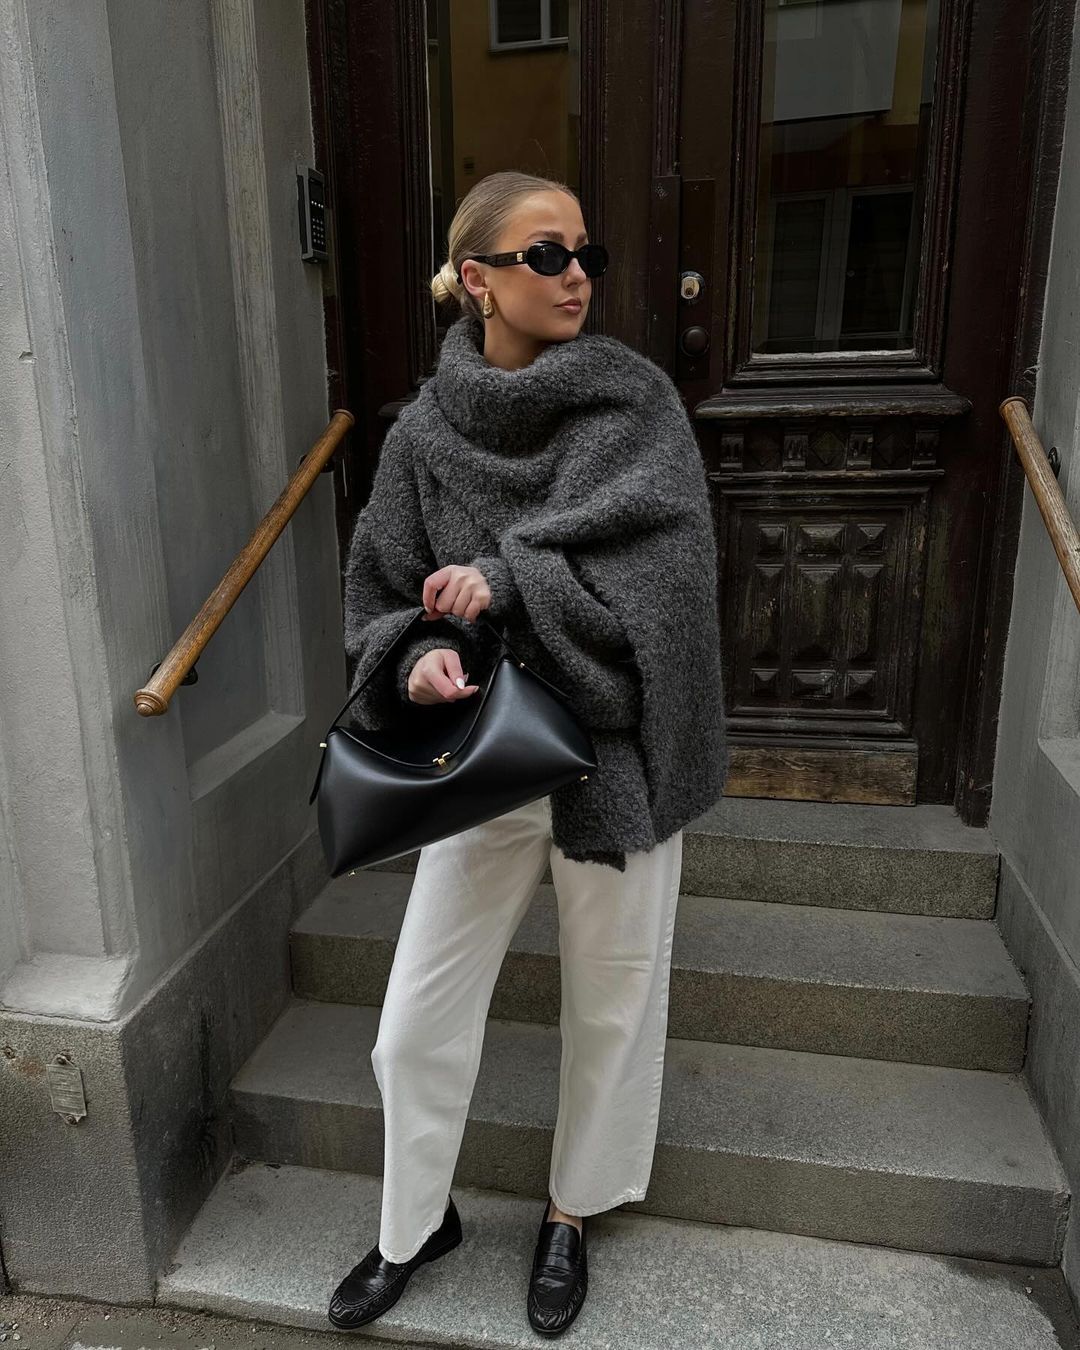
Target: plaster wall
x=164 y=371
x=1035 y=812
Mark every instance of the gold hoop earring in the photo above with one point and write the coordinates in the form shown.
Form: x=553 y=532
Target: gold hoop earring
x=489 y=308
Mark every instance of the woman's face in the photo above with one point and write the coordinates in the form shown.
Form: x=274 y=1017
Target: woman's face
x=527 y=304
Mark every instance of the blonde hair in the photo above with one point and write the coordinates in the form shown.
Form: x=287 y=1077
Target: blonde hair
x=477 y=224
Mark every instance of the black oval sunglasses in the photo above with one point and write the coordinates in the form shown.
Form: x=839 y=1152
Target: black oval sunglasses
x=549 y=258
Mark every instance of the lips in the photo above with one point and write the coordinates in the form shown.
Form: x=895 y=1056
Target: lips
x=573 y=305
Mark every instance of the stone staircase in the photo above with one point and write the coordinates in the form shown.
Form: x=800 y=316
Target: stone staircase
x=846 y=1039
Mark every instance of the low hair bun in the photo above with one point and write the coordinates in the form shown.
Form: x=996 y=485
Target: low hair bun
x=444 y=284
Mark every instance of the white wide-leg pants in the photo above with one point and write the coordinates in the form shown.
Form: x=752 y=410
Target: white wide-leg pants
x=615 y=935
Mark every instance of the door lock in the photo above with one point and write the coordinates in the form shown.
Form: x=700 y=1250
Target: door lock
x=691 y=285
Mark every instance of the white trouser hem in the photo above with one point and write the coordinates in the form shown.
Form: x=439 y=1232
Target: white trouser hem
x=408 y=1256
x=597 y=1209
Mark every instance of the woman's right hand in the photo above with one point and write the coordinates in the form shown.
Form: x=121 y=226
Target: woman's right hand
x=434 y=678
x=456 y=589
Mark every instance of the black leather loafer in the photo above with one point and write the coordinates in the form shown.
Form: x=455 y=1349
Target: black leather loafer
x=560 y=1275
x=376 y=1284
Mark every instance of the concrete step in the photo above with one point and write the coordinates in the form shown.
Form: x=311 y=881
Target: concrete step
x=928 y=990
x=272 y=1243
x=898 y=859
x=905 y=1155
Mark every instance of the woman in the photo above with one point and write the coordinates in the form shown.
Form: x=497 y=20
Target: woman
x=550 y=478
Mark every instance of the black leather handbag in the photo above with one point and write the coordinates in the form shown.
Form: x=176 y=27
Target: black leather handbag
x=445 y=766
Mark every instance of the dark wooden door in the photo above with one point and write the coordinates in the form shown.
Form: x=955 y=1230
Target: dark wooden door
x=819 y=219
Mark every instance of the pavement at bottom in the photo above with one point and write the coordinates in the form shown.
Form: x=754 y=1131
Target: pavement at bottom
x=33 y=1322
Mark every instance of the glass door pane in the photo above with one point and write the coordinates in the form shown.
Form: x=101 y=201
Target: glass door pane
x=846 y=96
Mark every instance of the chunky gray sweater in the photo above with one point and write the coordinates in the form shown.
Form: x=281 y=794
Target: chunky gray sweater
x=576 y=486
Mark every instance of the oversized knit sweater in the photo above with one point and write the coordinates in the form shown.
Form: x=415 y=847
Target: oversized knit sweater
x=576 y=486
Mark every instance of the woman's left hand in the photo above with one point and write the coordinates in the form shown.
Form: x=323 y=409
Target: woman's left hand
x=454 y=589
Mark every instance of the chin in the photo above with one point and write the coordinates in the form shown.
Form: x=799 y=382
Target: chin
x=558 y=329
x=572 y=322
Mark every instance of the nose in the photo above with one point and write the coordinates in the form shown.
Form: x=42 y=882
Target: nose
x=575 y=271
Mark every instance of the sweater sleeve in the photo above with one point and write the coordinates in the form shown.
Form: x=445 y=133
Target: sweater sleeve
x=506 y=602
x=580 y=631
x=597 y=554
x=389 y=558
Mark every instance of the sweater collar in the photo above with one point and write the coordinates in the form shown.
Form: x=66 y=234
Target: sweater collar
x=508 y=409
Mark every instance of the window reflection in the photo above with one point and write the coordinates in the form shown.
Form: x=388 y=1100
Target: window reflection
x=503 y=93
x=847 y=90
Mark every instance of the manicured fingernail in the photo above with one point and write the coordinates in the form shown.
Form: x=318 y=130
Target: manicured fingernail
x=460 y=683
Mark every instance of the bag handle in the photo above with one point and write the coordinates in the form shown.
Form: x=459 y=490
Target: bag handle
x=406 y=628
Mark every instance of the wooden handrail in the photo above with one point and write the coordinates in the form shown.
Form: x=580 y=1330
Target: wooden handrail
x=1048 y=494
x=153 y=698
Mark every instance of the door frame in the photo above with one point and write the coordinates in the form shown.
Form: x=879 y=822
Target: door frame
x=379 y=137
x=1043 y=126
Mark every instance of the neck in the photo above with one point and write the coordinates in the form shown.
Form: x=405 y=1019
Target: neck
x=509 y=349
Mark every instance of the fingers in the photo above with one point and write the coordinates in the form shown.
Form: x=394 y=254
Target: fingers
x=432 y=585
x=444 y=691
x=476 y=605
x=456 y=678
x=441 y=684
x=452 y=665
x=446 y=601
x=463 y=591
x=437 y=674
